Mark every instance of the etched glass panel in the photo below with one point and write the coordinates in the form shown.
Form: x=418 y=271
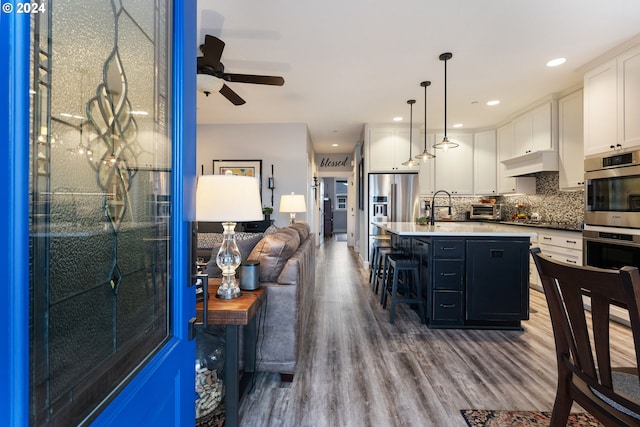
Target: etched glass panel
x=100 y=191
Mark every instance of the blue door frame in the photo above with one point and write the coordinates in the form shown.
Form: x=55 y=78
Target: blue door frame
x=162 y=394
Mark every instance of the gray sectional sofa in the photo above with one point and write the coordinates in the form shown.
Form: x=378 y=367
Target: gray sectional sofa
x=287 y=271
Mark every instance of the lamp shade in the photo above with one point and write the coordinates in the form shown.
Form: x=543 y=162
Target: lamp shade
x=292 y=203
x=221 y=198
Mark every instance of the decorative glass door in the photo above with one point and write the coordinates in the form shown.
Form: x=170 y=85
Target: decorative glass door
x=103 y=275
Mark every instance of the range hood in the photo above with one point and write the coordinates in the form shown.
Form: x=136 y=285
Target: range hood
x=530 y=163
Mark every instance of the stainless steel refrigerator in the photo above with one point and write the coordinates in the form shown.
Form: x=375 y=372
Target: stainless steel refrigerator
x=393 y=197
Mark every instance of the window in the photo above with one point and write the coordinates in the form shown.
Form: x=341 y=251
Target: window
x=341 y=194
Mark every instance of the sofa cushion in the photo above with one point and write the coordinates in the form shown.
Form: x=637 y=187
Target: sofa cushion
x=273 y=251
x=302 y=228
x=245 y=246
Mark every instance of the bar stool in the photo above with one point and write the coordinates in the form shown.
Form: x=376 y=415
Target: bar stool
x=381 y=266
x=403 y=285
x=375 y=264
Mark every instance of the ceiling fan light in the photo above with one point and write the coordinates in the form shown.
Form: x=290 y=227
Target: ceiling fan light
x=209 y=84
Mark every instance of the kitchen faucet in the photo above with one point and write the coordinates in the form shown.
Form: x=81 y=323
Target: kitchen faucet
x=433 y=205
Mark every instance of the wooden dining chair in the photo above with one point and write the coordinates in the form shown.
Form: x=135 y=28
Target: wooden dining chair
x=585 y=375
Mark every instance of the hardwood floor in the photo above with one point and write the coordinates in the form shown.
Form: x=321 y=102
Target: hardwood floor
x=356 y=369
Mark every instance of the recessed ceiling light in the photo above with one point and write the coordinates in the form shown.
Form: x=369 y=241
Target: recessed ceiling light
x=556 y=62
x=335 y=145
x=397 y=119
x=493 y=102
x=458 y=125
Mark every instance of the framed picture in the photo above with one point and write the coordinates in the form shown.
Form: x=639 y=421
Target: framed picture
x=239 y=167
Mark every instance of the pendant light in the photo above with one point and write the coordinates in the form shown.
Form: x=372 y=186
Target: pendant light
x=411 y=162
x=425 y=155
x=445 y=144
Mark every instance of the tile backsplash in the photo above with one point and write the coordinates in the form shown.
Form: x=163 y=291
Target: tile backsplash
x=552 y=205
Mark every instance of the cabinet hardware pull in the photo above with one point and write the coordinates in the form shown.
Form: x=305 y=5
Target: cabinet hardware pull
x=547 y=238
x=448 y=274
x=447 y=305
x=572 y=241
x=571 y=261
x=444 y=248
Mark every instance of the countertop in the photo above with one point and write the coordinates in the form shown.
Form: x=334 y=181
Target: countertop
x=445 y=228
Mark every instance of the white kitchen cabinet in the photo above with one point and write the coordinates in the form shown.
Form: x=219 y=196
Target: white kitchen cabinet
x=507 y=184
x=612 y=105
x=389 y=147
x=454 y=167
x=629 y=98
x=533 y=131
x=565 y=246
x=484 y=157
x=600 y=108
x=427 y=169
x=571 y=141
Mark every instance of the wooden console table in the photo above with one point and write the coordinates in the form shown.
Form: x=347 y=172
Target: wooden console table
x=233 y=314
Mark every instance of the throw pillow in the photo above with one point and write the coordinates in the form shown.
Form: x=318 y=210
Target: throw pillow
x=273 y=251
x=272 y=229
x=245 y=247
x=302 y=228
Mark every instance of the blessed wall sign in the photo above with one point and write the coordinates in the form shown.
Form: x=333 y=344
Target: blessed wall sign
x=334 y=162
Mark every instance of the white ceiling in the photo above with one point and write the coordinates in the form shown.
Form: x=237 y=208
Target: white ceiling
x=350 y=62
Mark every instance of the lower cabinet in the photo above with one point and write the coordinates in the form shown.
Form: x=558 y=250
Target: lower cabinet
x=497 y=277
x=475 y=282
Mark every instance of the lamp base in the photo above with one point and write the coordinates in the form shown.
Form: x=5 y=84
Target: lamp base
x=292 y=218
x=230 y=293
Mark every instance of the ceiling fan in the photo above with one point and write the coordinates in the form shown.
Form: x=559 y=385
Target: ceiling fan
x=212 y=77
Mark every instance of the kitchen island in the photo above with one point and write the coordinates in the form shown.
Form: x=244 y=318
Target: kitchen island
x=475 y=275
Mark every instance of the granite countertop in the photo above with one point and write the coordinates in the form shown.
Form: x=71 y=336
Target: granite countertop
x=446 y=228
x=554 y=225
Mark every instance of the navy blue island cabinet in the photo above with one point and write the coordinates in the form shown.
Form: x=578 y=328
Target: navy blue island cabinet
x=475 y=282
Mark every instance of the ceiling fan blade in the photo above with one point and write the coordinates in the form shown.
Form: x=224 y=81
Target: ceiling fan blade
x=251 y=78
x=228 y=93
x=212 y=51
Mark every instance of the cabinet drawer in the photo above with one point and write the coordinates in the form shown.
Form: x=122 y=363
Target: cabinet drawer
x=447 y=306
x=448 y=274
x=570 y=256
x=448 y=249
x=561 y=239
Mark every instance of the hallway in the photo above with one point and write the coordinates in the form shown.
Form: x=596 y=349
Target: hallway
x=356 y=369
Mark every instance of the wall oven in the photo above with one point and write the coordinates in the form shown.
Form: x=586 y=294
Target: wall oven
x=610 y=247
x=612 y=190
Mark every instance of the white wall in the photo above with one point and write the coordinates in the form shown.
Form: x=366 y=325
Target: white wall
x=286 y=146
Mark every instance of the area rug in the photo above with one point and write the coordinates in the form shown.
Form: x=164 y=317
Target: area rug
x=489 y=418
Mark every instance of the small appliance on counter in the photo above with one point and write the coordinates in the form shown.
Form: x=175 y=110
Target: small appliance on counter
x=485 y=211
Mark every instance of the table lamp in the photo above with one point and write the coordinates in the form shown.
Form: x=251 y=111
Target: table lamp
x=292 y=203
x=228 y=199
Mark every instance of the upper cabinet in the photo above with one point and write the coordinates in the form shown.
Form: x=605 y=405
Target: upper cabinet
x=533 y=131
x=389 y=147
x=570 y=141
x=454 y=167
x=535 y=140
x=484 y=159
x=509 y=184
x=612 y=104
x=600 y=109
x=629 y=98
